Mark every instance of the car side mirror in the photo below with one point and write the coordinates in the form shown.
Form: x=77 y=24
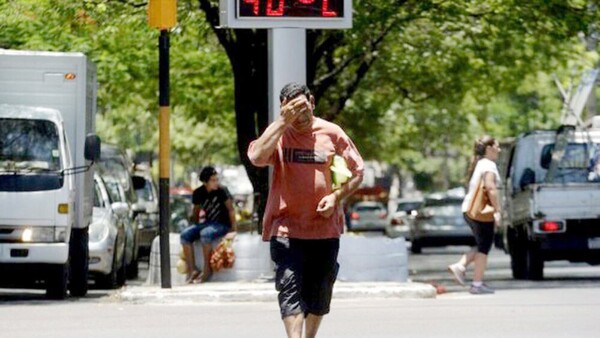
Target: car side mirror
x=92 y=147
x=120 y=208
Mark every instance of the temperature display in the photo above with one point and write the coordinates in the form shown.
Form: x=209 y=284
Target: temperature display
x=291 y=8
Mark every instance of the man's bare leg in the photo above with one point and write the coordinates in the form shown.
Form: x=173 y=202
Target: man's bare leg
x=206 y=270
x=312 y=324
x=188 y=254
x=293 y=325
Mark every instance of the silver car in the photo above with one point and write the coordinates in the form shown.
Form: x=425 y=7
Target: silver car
x=368 y=215
x=402 y=212
x=106 y=241
x=147 y=219
x=440 y=222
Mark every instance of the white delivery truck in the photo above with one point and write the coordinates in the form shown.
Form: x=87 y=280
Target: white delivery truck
x=47 y=149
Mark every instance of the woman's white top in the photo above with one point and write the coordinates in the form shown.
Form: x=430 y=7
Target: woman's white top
x=484 y=165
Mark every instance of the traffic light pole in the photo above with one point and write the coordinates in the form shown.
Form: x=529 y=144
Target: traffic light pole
x=164 y=155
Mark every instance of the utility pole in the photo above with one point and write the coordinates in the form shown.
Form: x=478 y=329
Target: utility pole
x=162 y=14
x=592 y=46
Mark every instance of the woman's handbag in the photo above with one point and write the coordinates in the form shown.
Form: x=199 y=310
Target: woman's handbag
x=480 y=209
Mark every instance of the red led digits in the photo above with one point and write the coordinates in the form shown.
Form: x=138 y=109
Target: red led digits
x=304 y=8
x=255 y=5
x=325 y=9
x=276 y=12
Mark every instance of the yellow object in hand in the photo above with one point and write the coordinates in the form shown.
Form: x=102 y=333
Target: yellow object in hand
x=339 y=172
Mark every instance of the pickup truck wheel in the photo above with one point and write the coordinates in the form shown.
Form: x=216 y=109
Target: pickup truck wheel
x=56 y=281
x=518 y=254
x=78 y=258
x=535 y=262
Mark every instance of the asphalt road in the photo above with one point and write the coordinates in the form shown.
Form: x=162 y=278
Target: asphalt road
x=566 y=304
x=430 y=267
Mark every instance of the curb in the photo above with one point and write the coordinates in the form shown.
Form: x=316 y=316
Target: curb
x=265 y=292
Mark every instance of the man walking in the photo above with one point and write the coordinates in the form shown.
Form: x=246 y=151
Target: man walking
x=303 y=218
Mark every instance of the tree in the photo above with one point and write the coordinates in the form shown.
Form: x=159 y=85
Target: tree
x=117 y=38
x=428 y=68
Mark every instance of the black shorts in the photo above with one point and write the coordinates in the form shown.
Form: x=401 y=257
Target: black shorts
x=305 y=271
x=483 y=232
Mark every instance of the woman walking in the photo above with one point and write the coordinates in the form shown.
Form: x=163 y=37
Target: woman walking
x=482 y=167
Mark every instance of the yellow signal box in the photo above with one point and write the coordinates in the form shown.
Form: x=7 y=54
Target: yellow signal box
x=162 y=14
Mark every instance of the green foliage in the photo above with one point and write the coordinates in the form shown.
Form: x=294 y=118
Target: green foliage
x=413 y=83
x=117 y=38
x=450 y=71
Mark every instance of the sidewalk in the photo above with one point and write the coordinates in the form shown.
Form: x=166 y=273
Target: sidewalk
x=265 y=292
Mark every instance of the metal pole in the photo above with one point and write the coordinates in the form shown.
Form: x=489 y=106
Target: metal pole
x=287 y=62
x=164 y=151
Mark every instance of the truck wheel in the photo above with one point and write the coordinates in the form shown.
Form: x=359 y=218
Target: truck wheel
x=78 y=257
x=56 y=281
x=535 y=261
x=110 y=281
x=518 y=254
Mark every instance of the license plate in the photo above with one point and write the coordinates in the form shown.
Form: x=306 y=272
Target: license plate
x=594 y=243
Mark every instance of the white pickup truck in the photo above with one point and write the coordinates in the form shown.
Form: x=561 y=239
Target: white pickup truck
x=47 y=145
x=557 y=219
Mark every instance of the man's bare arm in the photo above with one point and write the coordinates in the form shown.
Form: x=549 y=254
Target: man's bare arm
x=265 y=145
x=347 y=189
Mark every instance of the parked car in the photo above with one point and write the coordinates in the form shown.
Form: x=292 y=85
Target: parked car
x=440 y=222
x=181 y=212
x=115 y=167
x=123 y=211
x=368 y=215
x=147 y=220
x=402 y=212
x=106 y=241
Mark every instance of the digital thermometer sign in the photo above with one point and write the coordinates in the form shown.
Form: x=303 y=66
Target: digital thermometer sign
x=290 y=8
x=313 y=14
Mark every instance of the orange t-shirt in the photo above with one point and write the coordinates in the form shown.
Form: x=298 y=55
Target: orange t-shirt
x=301 y=178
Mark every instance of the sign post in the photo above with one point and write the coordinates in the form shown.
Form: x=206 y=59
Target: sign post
x=162 y=15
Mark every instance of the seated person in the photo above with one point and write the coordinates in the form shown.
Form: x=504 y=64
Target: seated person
x=217 y=205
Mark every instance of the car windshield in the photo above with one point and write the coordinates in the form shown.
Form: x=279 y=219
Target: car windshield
x=580 y=162
x=29 y=145
x=445 y=214
x=145 y=193
x=113 y=190
x=409 y=206
x=368 y=208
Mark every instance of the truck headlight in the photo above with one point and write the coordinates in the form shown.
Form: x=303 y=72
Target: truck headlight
x=38 y=234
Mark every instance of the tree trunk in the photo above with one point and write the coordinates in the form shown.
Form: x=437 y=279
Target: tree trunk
x=250 y=63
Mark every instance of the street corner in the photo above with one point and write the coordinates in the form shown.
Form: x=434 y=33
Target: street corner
x=198 y=293
x=358 y=290
x=263 y=292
